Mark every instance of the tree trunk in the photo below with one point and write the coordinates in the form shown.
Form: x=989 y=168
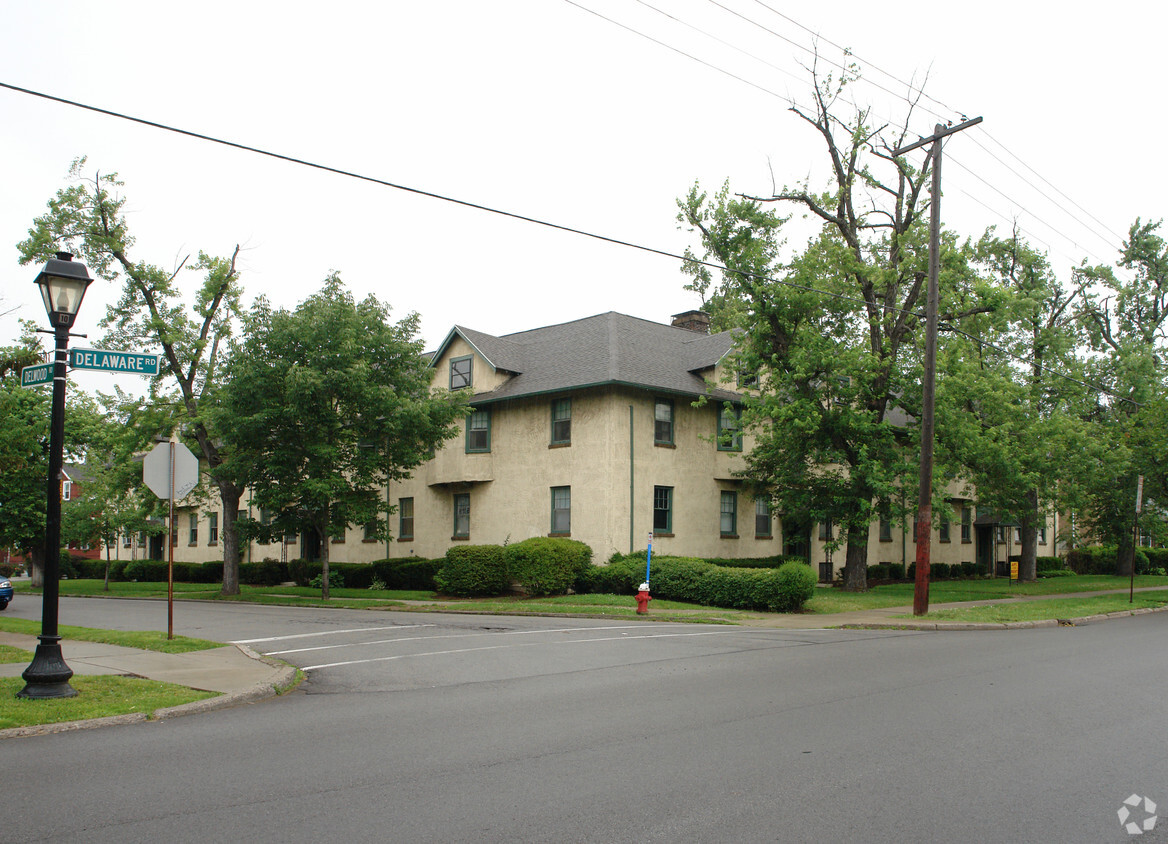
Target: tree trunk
x=856 y=561
x=1125 y=555
x=229 y=495
x=1028 y=564
x=36 y=567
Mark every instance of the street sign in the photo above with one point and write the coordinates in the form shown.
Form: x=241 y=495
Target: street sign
x=156 y=470
x=41 y=373
x=100 y=359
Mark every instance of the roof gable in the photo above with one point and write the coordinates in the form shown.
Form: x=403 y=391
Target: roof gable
x=609 y=348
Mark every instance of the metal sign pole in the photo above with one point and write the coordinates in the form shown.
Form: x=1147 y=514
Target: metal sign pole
x=170 y=543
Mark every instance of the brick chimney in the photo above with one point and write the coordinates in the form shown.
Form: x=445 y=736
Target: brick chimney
x=698 y=321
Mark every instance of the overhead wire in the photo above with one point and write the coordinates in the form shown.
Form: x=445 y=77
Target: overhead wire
x=462 y=202
x=910 y=86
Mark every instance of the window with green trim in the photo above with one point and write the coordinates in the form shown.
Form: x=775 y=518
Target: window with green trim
x=194 y=517
x=369 y=531
x=212 y=528
x=663 y=422
x=763 y=523
x=885 y=529
x=728 y=523
x=730 y=428
x=966 y=524
x=663 y=509
x=462 y=515
x=943 y=530
x=461 y=372
x=405 y=518
x=826 y=530
x=561 y=510
x=561 y=422
x=478 y=431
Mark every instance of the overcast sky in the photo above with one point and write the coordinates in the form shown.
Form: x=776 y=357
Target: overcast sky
x=546 y=109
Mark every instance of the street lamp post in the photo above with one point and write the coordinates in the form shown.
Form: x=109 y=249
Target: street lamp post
x=63 y=283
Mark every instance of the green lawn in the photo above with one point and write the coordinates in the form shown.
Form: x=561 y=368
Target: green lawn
x=149 y=640
x=97 y=697
x=947 y=591
x=1053 y=608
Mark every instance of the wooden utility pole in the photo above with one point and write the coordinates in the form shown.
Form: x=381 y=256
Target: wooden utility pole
x=924 y=528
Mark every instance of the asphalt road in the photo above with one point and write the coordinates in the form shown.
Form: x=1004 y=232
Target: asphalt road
x=418 y=727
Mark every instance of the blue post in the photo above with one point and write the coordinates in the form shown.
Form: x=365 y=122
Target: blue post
x=649 y=557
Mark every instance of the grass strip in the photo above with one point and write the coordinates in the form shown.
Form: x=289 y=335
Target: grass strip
x=11 y=654
x=1052 y=608
x=97 y=697
x=149 y=640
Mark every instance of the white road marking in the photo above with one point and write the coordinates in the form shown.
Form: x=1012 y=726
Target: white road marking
x=497 y=647
x=327 y=633
x=450 y=636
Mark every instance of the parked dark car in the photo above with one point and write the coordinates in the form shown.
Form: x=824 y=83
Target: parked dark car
x=6 y=592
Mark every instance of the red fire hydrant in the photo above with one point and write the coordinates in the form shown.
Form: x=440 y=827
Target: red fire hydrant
x=643 y=599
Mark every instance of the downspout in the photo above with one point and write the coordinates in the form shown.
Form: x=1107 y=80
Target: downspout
x=632 y=500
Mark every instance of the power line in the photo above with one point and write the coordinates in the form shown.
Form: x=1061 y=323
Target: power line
x=842 y=67
x=476 y=206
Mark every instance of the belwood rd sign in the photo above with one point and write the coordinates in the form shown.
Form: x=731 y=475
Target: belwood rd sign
x=98 y=359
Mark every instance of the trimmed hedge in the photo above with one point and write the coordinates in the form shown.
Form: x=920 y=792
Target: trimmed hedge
x=1099 y=559
x=782 y=589
x=546 y=565
x=408 y=573
x=473 y=570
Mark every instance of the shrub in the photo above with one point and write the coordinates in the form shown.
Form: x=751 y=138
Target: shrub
x=939 y=571
x=301 y=571
x=896 y=571
x=546 y=565
x=1049 y=564
x=679 y=578
x=470 y=570
x=1097 y=559
x=336 y=580
x=146 y=571
x=880 y=571
x=792 y=586
x=407 y=573
x=756 y=562
x=620 y=577
x=1056 y=573
x=968 y=569
x=267 y=572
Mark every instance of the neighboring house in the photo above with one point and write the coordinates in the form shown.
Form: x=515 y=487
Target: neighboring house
x=595 y=429
x=72 y=484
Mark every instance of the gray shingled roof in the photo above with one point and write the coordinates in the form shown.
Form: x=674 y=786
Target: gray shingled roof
x=608 y=348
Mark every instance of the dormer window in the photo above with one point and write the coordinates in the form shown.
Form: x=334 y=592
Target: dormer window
x=461 y=372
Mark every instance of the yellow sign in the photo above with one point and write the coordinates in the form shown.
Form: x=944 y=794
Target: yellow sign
x=1013 y=569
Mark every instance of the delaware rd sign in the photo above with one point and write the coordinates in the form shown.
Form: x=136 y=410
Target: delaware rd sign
x=99 y=359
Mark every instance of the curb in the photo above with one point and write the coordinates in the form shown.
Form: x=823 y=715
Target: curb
x=991 y=625
x=260 y=691
x=283 y=682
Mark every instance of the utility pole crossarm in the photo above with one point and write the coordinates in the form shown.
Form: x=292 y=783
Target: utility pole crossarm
x=936 y=136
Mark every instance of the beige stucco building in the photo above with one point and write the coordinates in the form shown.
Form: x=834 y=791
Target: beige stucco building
x=602 y=429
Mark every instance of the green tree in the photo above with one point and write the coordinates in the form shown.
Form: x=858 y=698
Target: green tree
x=24 y=442
x=322 y=406
x=1126 y=317
x=154 y=311
x=1013 y=427
x=113 y=501
x=834 y=331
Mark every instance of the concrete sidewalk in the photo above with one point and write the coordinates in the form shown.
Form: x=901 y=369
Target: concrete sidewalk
x=238 y=673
